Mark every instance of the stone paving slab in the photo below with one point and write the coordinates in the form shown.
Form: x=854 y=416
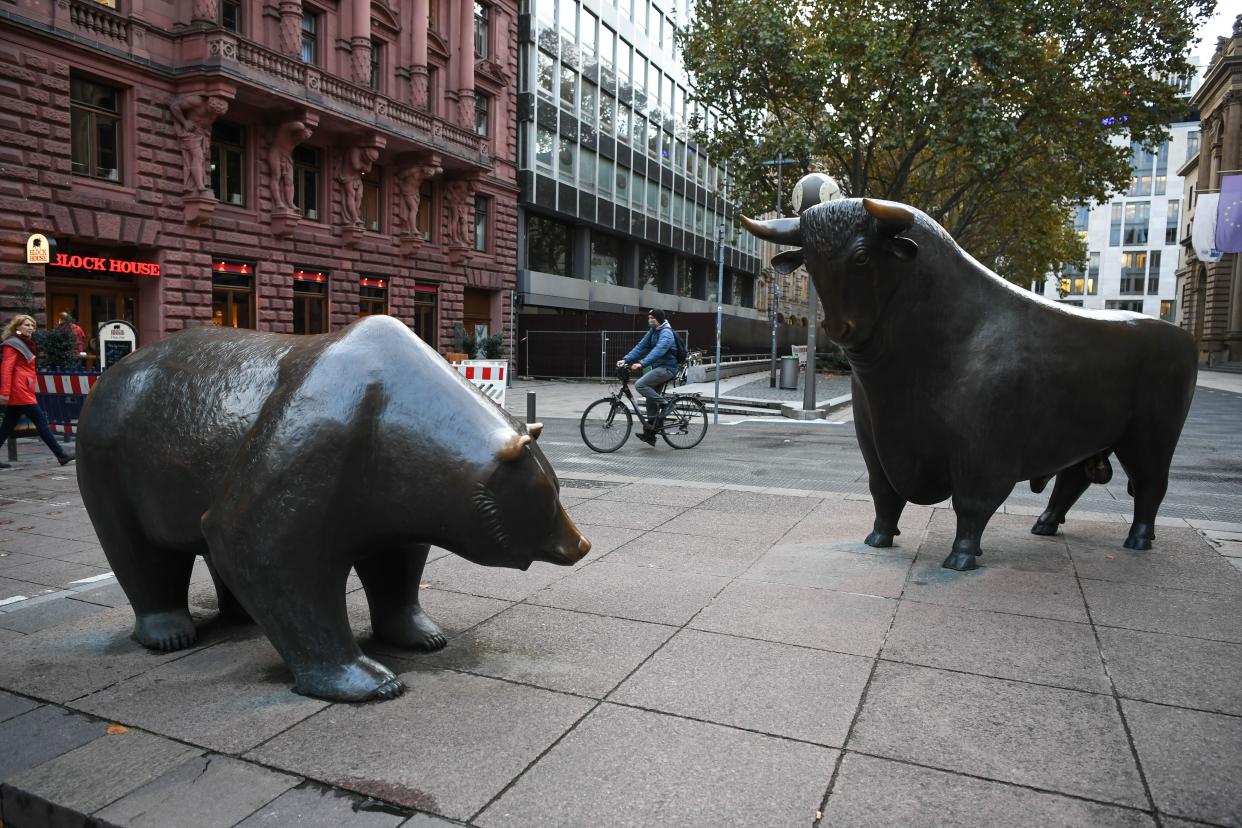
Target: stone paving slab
x=819 y=618
x=48 y=614
x=726 y=697
x=639 y=593
x=429 y=749
x=315 y=806
x=1174 y=611
x=72 y=660
x=881 y=793
x=228 y=697
x=1191 y=759
x=1174 y=670
x=845 y=567
x=1038 y=650
x=11 y=705
x=70 y=782
x=1042 y=737
x=554 y=649
x=688 y=553
x=34 y=737
x=634 y=769
x=799 y=693
x=206 y=792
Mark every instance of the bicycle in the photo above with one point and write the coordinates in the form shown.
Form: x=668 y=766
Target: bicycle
x=683 y=372
x=606 y=424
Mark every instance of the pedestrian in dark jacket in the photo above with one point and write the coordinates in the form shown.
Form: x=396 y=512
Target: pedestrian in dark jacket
x=18 y=382
x=660 y=349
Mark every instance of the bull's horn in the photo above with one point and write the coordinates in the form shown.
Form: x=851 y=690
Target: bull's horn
x=895 y=217
x=780 y=231
x=534 y=429
x=512 y=448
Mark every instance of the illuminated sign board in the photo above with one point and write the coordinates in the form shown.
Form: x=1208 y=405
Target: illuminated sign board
x=104 y=264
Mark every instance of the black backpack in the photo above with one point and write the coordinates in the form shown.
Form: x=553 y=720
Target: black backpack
x=679 y=349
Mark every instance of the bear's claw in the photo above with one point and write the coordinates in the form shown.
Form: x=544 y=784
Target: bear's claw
x=390 y=689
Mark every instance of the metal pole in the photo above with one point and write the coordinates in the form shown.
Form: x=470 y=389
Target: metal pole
x=812 y=300
x=719 y=312
x=776 y=291
x=530 y=407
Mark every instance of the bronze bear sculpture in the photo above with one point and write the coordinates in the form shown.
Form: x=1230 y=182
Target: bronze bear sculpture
x=964 y=384
x=288 y=460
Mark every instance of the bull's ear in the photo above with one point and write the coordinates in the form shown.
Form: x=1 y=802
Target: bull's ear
x=534 y=430
x=511 y=449
x=902 y=248
x=787 y=262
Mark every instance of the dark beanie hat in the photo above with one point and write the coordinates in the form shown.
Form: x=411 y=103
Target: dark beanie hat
x=658 y=314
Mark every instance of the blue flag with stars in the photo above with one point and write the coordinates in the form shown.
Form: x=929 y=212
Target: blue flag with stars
x=1229 y=215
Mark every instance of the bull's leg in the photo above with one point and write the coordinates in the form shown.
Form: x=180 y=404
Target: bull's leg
x=973 y=509
x=887 y=502
x=1148 y=468
x=391 y=580
x=1071 y=483
x=156 y=581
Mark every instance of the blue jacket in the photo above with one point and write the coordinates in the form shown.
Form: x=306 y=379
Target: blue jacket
x=659 y=346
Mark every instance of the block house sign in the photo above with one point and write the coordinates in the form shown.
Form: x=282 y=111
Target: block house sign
x=103 y=263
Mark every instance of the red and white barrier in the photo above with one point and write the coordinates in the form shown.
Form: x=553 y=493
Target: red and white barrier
x=66 y=383
x=489 y=376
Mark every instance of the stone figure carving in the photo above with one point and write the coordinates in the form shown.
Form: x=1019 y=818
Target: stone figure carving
x=410 y=182
x=193 y=115
x=963 y=383
x=280 y=161
x=294 y=460
x=357 y=161
x=418 y=87
x=459 y=206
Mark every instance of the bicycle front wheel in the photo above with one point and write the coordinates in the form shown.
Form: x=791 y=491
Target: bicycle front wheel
x=686 y=425
x=606 y=425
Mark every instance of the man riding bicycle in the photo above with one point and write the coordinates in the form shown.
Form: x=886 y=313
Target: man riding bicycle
x=660 y=350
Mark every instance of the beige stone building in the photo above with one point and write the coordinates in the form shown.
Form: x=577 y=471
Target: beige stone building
x=1210 y=293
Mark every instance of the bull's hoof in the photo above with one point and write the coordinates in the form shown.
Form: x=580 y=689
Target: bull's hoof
x=165 y=631
x=1038 y=484
x=363 y=680
x=411 y=631
x=961 y=561
x=880 y=540
x=1140 y=537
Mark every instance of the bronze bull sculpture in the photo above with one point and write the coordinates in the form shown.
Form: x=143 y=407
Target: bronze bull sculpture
x=286 y=461
x=964 y=384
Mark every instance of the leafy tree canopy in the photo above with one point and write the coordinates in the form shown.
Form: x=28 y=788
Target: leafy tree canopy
x=992 y=117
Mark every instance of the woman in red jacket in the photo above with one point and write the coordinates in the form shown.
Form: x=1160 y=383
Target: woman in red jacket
x=18 y=384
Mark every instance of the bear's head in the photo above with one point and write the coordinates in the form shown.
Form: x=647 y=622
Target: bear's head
x=517 y=511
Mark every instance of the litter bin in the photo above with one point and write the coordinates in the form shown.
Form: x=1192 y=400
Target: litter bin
x=789 y=372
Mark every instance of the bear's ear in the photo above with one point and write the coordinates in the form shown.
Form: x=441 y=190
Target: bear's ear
x=534 y=430
x=512 y=448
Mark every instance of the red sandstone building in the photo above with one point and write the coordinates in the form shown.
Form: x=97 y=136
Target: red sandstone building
x=287 y=166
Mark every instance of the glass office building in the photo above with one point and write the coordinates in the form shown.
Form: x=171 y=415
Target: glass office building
x=619 y=209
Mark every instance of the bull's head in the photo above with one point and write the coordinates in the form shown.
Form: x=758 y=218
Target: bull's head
x=852 y=250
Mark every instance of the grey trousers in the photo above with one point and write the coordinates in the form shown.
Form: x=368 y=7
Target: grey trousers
x=649 y=384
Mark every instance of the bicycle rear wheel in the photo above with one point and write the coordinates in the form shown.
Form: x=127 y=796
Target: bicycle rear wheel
x=686 y=425
x=606 y=425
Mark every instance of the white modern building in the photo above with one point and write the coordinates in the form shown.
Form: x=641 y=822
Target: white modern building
x=1132 y=240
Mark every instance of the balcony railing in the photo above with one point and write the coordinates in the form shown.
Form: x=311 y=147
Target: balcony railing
x=282 y=72
x=100 y=21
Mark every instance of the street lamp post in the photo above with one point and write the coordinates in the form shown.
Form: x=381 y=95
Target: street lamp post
x=779 y=162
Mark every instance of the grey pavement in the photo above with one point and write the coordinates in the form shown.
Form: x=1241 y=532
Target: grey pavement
x=728 y=654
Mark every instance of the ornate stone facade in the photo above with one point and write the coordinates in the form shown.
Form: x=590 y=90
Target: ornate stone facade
x=245 y=172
